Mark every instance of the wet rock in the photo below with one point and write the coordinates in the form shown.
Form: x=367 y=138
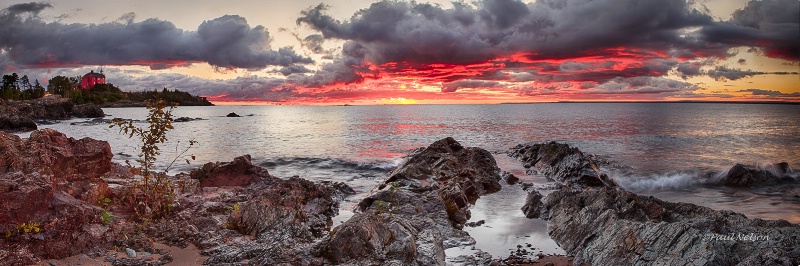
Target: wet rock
x=185 y=119
x=233 y=115
x=295 y=206
x=533 y=205
x=21 y=115
x=458 y=174
x=746 y=175
x=92 y=122
x=370 y=238
x=87 y=111
x=509 y=178
x=561 y=163
x=48 y=182
x=340 y=190
x=419 y=209
x=240 y=172
x=15 y=123
x=475 y=224
x=51 y=107
x=618 y=227
x=479 y=258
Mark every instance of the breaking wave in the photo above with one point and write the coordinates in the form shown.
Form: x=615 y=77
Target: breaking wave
x=669 y=181
x=330 y=168
x=687 y=179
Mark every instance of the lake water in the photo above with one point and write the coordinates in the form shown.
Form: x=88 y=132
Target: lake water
x=663 y=147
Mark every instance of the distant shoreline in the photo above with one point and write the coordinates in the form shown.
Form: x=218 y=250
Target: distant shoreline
x=722 y=102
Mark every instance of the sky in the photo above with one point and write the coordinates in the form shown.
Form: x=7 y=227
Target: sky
x=403 y=52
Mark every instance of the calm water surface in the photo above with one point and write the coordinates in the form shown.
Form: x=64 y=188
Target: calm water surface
x=663 y=146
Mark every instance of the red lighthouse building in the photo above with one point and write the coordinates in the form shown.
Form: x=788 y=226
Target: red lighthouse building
x=90 y=79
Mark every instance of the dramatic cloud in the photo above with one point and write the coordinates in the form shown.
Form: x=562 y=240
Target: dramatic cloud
x=546 y=42
x=772 y=94
x=467 y=50
x=770 y=26
x=225 y=42
x=721 y=72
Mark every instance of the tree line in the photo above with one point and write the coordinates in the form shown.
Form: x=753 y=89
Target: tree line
x=20 y=88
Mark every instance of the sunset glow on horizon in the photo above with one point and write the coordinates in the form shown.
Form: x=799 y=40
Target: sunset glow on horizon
x=397 y=52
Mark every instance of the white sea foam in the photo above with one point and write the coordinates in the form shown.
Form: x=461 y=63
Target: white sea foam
x=669 y=181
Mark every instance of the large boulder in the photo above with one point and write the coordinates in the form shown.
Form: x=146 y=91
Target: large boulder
x=746 y=175
x=240 y=172
x=533 y=206
x=51 y=108
x=296 y=207
x=14 y=122
x=459 y=175
x=88 y=111
x=561 y=163
x=419 y=210
x=618 y=227
x=49 y=182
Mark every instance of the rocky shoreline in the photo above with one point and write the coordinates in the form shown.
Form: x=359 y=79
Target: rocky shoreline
x=25 y=115
x=601 y=223
x=55 y=188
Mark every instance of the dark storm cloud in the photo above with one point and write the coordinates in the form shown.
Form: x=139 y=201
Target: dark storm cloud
x=296 y=69
x=769 y=25
x=390 y=31
x=722 y=73
x=32 y=7
x=769 y=93
x=644 y=85
x=225 y=42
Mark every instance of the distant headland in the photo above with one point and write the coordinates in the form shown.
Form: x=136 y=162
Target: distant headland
x=90 y=88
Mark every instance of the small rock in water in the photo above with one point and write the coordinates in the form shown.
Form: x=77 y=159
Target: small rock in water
x=475 y=224
x=509 y=178
x=233 y=115
x=131 y=252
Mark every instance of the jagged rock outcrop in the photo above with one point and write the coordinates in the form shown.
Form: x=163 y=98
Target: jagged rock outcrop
x=607 y=225
x=240 y=172
x=19 y=115
x=533 y=207
x=14 y=122
x=295 y=206
x=419 y=209
x=185 y=119
x=746 y=175
x=561 y=163
x=48 y=182
x=618 y=227
x=88 y=111
x=264 y=221
x=52 y=185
